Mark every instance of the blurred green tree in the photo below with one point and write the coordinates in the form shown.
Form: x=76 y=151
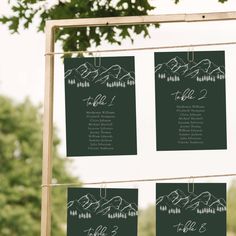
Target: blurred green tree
x=27 y=12
x=231 y=209
x=147 y=221
x=20 y=171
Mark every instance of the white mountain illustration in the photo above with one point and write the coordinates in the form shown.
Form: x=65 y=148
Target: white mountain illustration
x=87 y=75
x=176 y=69
x=178 y=201
x=116 y=207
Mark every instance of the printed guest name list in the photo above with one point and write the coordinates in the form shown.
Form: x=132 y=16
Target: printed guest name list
x=190 y=121
x=100 y=130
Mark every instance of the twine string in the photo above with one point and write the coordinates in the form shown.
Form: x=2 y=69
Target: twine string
x=138 y=49
x=138 y=180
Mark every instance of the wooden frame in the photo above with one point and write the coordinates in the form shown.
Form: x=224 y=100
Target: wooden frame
x=49 y=80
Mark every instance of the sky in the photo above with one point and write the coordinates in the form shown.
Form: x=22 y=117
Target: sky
x=22 y=74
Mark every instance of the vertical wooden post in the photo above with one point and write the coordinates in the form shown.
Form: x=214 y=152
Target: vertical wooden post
x=47 y=133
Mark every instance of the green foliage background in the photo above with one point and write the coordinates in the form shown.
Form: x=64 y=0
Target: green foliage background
x=25 y=13
x=20 y=171
x=231 y=210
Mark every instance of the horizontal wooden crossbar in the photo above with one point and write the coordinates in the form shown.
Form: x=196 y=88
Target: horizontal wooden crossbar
x=137 y=20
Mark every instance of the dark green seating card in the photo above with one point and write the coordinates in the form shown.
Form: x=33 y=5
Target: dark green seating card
x=191 y=209
x=190 y=100
x=102 y=212
x=100 y=106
